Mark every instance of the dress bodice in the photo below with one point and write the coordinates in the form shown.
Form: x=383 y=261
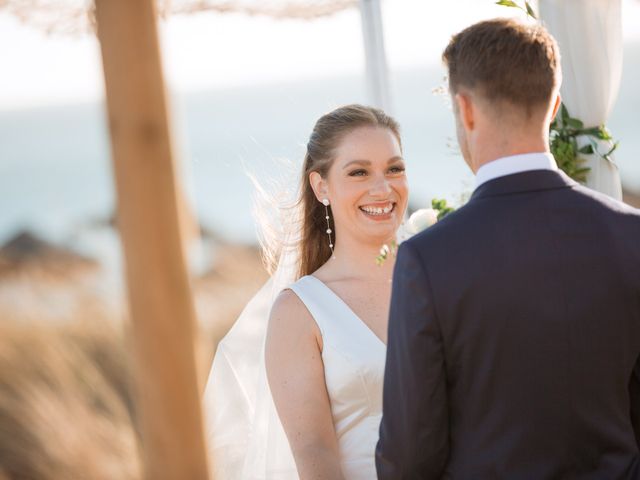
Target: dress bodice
x=353 y=358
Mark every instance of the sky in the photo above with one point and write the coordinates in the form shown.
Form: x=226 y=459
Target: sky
x=209 y=51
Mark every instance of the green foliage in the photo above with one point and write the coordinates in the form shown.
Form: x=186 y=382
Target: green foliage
x=528 y=9
x=564 y=146
x=385 y=251
x=508 y=3
x=440 y=205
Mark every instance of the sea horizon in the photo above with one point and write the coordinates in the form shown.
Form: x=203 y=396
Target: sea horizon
x=55 y=171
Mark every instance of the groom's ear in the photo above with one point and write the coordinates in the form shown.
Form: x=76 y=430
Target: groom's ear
x=319 y=185
x=556 y=107
x=466 y=110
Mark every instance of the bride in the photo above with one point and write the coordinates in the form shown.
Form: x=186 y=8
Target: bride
x=304 y=399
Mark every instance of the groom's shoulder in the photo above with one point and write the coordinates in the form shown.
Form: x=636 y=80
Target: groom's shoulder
x=600 y=203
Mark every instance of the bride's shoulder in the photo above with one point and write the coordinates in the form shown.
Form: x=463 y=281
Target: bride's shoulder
x=287 y=302
x=289 y=314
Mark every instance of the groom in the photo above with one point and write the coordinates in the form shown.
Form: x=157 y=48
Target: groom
x=514 y=331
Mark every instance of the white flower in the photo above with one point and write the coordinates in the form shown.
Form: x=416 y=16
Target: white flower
x=420 y=220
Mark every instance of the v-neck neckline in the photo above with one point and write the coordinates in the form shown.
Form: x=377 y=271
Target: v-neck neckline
x=349 y=309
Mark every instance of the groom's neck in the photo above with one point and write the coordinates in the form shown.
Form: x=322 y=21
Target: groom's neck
x=503 y=130
x=499 y=143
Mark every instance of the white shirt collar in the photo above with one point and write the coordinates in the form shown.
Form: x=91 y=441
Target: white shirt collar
x=515 y=164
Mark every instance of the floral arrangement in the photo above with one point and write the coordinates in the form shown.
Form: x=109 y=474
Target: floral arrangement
x=418 y=221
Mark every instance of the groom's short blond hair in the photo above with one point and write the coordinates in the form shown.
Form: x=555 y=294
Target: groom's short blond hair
x=505 y=60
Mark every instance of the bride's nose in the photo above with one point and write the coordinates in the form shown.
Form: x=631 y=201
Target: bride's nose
x=380 y=187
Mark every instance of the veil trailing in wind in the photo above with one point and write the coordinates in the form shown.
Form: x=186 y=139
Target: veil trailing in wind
x=244 y=434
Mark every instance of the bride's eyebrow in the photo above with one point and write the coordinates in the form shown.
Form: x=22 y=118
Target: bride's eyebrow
x=368 y=162
x=358 y=162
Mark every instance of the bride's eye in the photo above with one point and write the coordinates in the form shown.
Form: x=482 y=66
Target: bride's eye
x=358 y=173
x=396 y=169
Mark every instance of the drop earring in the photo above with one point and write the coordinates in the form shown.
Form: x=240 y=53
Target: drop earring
x=325 y=202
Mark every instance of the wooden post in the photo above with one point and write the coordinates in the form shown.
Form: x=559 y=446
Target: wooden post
x=375 y=57
x=160 y=299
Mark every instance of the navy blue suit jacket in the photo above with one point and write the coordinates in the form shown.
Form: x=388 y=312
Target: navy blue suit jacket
x=514 y=339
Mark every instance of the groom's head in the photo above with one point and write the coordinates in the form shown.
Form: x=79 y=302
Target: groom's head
x=504 y=78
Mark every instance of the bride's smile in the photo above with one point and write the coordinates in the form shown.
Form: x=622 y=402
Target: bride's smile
x=379 y=211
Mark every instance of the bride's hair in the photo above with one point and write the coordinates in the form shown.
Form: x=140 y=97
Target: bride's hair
x=328 y=132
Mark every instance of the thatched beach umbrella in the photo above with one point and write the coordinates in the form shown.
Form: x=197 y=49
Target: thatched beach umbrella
x=25 y=252
x=43 y=282
x=78 y=16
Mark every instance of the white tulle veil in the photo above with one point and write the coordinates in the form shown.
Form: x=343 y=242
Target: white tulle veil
x=244 y=434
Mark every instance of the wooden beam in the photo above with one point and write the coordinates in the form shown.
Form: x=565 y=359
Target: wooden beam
x=160 y=299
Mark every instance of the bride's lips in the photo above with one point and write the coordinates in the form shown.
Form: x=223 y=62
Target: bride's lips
x=378 y=211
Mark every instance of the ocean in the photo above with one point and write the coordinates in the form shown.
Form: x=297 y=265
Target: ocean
x=56 y=178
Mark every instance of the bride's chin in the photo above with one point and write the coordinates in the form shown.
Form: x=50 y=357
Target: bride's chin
x=379 y=236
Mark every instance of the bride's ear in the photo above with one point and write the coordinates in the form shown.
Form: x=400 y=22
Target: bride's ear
x=319 y=186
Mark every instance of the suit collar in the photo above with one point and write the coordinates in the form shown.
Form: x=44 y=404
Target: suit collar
x=515 y=164
x=530 y=181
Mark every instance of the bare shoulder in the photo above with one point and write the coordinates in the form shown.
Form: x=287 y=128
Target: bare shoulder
x=290 y=316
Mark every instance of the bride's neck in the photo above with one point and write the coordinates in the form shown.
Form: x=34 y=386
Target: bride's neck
x=358 y=259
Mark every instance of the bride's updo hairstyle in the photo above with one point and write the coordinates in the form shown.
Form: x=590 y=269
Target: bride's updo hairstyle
x=327 y=134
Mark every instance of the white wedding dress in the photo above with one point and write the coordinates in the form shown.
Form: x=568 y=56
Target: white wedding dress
x=246 y=440
x=353 y=358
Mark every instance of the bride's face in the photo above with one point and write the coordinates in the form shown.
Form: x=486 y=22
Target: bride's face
x=367 y=185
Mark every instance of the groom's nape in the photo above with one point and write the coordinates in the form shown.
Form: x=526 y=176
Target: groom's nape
x=504 y=79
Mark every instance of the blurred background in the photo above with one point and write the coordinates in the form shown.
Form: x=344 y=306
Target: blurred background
x=245 y=92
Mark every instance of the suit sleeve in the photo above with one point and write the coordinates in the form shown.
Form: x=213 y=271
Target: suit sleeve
x=634 y=389
x=414 y=433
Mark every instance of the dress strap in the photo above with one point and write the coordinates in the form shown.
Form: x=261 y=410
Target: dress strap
x=318 y=301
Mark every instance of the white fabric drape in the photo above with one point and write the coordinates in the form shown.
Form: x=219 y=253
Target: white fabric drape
x=589 y=33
